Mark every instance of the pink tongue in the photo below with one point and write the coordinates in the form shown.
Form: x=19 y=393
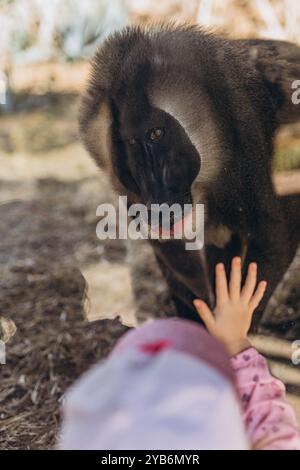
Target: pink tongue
x=178 y=227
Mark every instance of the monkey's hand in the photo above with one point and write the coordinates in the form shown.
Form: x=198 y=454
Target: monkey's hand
x=231 y=319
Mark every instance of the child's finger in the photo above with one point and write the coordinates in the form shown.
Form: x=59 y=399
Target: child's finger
x=258 y=295
x=235 y=278
x=205 y=314
x=221 y=284
x=250 y=282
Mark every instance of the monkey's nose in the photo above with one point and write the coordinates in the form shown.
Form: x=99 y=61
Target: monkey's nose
x=160 y=214
x=155 y=212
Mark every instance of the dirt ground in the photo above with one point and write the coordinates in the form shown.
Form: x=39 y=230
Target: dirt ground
x=56 y=275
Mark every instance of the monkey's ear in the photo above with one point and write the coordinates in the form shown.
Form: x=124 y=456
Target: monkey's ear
x=95 y=122
x=279 y=63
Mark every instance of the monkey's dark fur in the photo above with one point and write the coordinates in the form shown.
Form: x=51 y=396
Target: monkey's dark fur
x=174 y=114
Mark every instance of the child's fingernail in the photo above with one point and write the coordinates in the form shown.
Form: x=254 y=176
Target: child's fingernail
x=235 y=262
x=197 y=303
x=220 y=267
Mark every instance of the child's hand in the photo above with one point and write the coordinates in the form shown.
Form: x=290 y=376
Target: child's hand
x=231 y=319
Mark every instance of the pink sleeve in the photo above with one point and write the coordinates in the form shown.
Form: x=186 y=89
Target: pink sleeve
x=269 y=420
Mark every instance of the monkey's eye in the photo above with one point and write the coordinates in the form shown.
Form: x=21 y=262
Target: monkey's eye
x=131 y=141
x=155 y=135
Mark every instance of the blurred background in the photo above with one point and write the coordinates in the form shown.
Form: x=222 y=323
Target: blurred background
x=50 y=188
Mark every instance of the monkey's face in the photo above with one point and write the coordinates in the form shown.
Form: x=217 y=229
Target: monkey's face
x=158 y=162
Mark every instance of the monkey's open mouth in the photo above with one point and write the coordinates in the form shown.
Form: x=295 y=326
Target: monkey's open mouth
x=177 y=229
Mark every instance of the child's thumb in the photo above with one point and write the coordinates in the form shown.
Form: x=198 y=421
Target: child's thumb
x=205 y=313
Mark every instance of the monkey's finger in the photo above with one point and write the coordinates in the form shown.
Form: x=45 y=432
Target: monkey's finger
x=221 y=284
x=205 y=314
x=235 y=278
x=250 y=282
x=258 y=295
